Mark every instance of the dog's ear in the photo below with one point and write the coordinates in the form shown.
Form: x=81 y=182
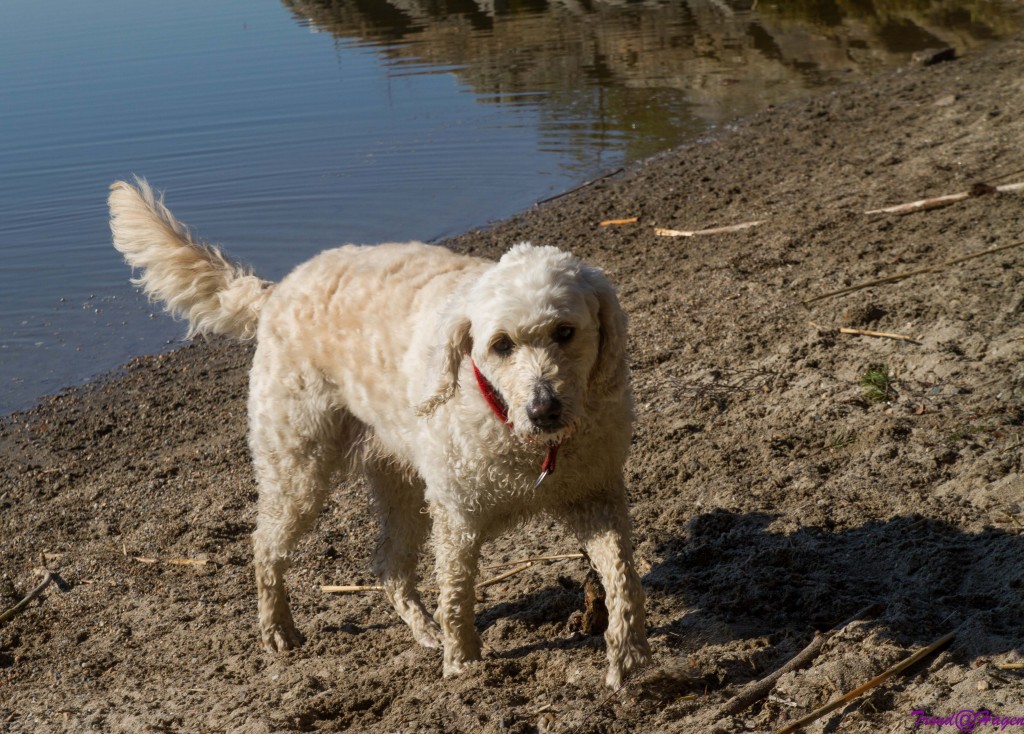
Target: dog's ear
x=455 y=333
x=609 y=374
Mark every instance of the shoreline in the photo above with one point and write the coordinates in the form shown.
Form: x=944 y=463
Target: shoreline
x=774 y=493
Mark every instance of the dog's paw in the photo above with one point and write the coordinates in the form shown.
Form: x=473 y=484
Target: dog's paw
x=428 y=634
x=456 y=667
x=458 y=659
x=631 y=660
x=281 y=637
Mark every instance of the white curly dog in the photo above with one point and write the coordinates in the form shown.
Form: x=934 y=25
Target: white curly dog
x=471 y=394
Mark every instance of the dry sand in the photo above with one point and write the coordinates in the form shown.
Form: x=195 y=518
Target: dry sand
x=772 y=497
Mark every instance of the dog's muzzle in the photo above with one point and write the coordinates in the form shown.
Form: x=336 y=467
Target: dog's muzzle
x=545 y=410
x=546 y=407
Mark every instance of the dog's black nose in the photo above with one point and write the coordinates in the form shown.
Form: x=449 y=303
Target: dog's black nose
x=544 y=410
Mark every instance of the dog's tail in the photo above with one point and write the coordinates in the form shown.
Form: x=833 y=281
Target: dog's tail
x=195 y=280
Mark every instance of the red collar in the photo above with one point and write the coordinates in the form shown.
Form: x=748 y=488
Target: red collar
x=491 y=396
x=500 y=409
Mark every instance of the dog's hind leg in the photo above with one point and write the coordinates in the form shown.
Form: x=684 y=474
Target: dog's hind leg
x=404 y=527
x=296 y=449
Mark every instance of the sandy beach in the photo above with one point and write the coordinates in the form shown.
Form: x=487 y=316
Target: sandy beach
x=788 y=470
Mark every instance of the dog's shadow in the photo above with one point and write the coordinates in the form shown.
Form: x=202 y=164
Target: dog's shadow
x=727 y=576
x=554 y=604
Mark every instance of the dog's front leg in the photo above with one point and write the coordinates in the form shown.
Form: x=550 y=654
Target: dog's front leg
x=457 y=548
x=603 y=528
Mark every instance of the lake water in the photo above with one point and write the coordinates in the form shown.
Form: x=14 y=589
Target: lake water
x=281 y=128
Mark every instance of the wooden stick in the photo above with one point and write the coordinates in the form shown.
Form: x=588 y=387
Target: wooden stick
x=885 y=334
x=352 y=589
x=1010 y=666
x=756 y=690
x=48 y=576
x=617 y=222
x=921 y=205
x=172 y=561
x=912 y=273
x=938 y=202
x=535 y=559
x=508 y=574
x=873 y=683
x=870 y=283
x=357 y=588
x=714 y=230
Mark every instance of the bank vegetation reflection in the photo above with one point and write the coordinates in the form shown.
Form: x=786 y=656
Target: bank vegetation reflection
x=647 y=75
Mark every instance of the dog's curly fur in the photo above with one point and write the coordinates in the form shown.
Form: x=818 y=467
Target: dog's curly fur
x=361 y=365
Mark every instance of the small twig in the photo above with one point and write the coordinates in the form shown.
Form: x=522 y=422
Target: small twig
x=359 y=588
x=1014 y=519
x=714 y=230
x=351 y=589
x=873 y=683
x=48 y=576
x=937 y=202
x=169 y=561
x=912 y=273
x=617 y=222
x=534 y=559
x=1010 y=666
x=602 y=704
x=756 y=690
x=172 y=561
x=884 y=334
x=508 y=574
x=725 y=383
x=583 y=185
x=1003 y=176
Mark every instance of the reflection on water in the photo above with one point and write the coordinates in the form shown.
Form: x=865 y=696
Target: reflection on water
x=280 y=127
x=637 y=77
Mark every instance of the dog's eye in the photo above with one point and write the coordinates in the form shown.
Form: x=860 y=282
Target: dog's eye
x=563 y=333
x=502 y=346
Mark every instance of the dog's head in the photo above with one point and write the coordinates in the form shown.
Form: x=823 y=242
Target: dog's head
x=545 y=331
